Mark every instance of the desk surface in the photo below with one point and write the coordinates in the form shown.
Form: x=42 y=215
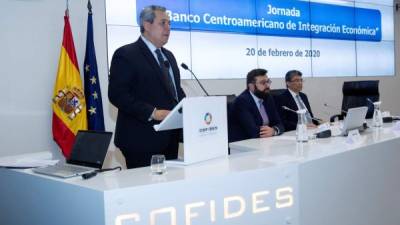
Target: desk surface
x=254 y=154
x=285 y=146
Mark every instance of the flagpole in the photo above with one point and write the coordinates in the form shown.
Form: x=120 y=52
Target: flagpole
x=89 y=6
x=67 y=9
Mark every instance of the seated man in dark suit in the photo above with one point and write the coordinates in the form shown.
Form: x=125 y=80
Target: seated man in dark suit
x=294 y=99
x=254 y=113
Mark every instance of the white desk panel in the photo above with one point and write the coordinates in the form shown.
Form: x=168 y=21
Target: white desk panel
x=273 y=182
x=222 y=191
x=340 y=183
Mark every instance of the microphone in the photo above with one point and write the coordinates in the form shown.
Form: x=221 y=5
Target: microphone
x=372 y=102
x=386 y=119
x=288 y=109
x=321 y=134
x=335 y=108
x=389 y=119
x=184 y=66
x=368 y=99
x=294 y=111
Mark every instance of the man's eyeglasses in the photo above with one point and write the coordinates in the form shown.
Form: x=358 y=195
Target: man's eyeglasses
x=264 y=82
x=298 y=81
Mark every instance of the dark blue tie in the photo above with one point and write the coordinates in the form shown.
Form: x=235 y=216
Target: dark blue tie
x=166 y=76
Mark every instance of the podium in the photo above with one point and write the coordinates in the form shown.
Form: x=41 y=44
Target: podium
x=204 y=123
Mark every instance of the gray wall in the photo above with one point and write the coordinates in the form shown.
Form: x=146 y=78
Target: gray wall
x=30 y=42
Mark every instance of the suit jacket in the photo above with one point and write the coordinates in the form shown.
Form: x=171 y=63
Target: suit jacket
x=246 y=119
x=136 y=87
x=289 y=119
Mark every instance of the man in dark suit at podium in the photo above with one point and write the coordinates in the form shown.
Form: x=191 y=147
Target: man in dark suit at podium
x=254 y=112
x=294 y=99
x=144 y=86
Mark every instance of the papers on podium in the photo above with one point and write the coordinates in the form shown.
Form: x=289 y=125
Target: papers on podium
x=173 y=120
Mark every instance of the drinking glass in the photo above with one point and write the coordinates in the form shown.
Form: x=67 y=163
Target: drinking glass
x=157 y=164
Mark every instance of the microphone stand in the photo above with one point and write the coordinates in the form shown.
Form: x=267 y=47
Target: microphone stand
x=294 y=111
x=184 y=66
x=322 y=134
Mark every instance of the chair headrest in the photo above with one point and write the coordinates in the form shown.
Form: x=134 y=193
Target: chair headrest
x=364 y=87
x=276 y=92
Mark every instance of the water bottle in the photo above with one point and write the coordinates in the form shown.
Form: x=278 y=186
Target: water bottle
x=377 y=118
x=301 y=129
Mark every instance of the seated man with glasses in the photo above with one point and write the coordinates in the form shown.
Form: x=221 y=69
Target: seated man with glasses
x=294 y=99
x=254 y=111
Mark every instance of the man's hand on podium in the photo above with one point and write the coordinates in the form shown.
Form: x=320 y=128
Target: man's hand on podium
x=160 y=114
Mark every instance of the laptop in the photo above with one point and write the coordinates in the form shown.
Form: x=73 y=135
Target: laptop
x=87 y=155
x=354 y=120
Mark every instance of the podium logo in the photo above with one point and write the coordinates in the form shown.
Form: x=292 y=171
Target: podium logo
x=206 y=130
x=208 y=118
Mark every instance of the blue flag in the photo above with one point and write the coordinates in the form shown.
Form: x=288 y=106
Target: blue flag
x=94 y=103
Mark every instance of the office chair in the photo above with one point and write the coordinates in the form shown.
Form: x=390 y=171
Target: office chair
x=276 y=92
x=355 y=94
x=230 y=100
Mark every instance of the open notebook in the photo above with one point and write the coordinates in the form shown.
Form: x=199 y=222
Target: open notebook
x=88 y=154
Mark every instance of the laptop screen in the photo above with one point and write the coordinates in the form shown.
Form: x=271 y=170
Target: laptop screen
x=355 y=118
x=90 y=148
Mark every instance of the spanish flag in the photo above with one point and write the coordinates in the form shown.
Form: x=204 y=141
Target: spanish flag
x=69 y=106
